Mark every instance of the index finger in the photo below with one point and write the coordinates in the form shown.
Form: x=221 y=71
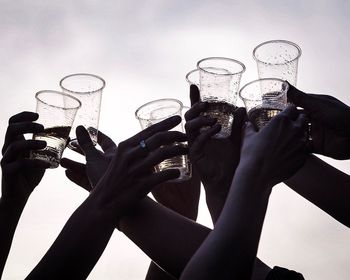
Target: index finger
x=105 y=142
x=24 y=116
x=167 y=124
x=194 y=94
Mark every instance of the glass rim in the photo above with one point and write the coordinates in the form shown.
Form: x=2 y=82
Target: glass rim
x=259 y=80
x=277 y=41
x=221 y=58
x=57 y=93
x=83 y=74
x=190 y=73
x=155 y=101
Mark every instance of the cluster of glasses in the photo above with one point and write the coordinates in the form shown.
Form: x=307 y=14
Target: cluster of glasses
x=60 y=112
x=218 y=80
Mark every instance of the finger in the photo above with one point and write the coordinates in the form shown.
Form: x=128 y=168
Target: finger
x=18 y=129
x=85 y=142
x=195 y=110
x=73 y=165
x=198 y=123
x=26 y=164
x=299 y=98
x=194 y=94
x=302 y=121
x=291 y=112
x=240 y=117
x=154 y=142
x=17 y=148
x=157 y=178
x=160 y=155
x=24 y=117
x=165 y=125
x=204 y=136
x=78 y=179
x=105 y=142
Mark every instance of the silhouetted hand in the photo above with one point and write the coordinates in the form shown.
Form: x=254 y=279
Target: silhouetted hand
x=87 y=175
x=330 y=126
x=215 y=160
x=278 y=150
x=130 y=175
x=96 y=161
x=20 y=175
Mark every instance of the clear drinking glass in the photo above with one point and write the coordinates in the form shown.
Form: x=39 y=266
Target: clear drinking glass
x=159 y=110
x=219 y=79
x=56 y=113
x=264 y=99
x=88 y=89
x=278 y=59
x=192 y=77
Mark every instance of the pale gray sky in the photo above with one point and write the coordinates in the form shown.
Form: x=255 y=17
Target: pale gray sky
x=143 y=49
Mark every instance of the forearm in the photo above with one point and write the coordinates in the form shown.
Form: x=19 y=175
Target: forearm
x=215 y=203
x=229 y=252
x=325 y=186
x=168 y=238
x=78 y=247
x=10 y=213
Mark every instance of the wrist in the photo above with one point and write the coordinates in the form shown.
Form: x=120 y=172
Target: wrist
x=10 y=204
x=254 y=173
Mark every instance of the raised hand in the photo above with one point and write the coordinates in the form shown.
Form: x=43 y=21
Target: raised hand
x=215 y=160
x=278 y=150
x=20 y=175
x=330 y=128
x=96 y=161
x=130 y=174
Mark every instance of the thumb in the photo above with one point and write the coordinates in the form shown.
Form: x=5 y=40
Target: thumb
x=85 y=142
x=299 y=98
x=249 y=129
x=194 y=94
x=240 y=117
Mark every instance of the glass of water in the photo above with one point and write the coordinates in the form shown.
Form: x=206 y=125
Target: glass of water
x=264 y=99
x=278 y=59
x=56 y=113
x=219 y=79
x=158 y=110
x=88 y=89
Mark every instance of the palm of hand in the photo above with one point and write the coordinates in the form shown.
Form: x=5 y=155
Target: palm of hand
x=217 y=162
x=97 y=166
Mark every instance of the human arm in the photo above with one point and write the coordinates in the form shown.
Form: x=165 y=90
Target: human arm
x=330 y=192
x=182 y=198
x=269 y=156
x=168 y=238
x=20 y=175
x=330 y=131
x=128 y=179
x=215 y=160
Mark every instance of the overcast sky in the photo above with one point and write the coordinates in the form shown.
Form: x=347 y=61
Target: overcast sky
x=143 y=49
